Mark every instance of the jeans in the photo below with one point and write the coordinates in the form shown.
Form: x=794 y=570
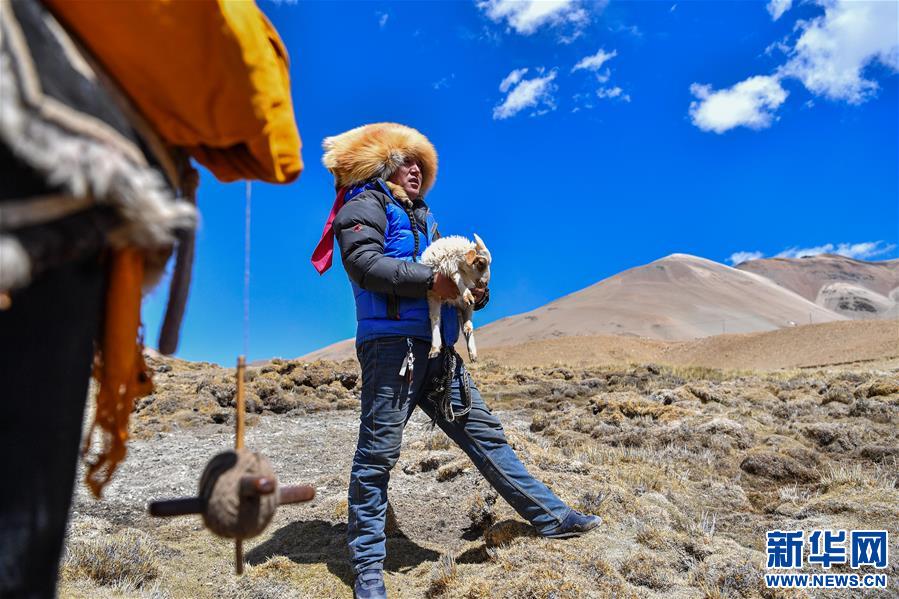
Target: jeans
x=47 y=339
x=388 y=401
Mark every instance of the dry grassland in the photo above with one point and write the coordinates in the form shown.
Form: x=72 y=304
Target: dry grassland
x=688 y=467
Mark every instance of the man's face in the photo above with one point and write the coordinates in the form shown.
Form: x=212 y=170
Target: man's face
x=408 y=176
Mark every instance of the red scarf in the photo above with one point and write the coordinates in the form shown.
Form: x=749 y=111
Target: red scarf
x=323 y=254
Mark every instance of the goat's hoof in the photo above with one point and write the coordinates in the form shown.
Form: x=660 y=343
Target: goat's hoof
x=473 y=357
x=468 y=296
x=435 y=351
x=467 y=329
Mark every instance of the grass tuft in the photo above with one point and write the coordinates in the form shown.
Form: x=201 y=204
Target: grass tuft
x=443 y=575
x=128 y=559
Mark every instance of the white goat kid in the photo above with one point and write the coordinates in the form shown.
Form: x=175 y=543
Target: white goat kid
x=467 y=264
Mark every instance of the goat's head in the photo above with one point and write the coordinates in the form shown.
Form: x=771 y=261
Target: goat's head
x=476 y=266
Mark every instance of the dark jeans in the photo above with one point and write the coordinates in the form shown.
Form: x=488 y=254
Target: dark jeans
x=47 y=343
x=388 y=402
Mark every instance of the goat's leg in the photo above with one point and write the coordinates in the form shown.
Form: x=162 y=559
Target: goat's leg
x=468 y=331
x=434 y=314
x=466 y=293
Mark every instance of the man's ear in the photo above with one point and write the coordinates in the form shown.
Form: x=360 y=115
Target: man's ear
x=470 y=255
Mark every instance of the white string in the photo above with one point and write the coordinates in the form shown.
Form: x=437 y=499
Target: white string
x=246 y=271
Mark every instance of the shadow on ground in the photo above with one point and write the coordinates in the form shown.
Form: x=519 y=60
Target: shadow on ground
x=321 y=542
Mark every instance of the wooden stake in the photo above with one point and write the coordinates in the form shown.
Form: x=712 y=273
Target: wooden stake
x=238 y=444
x=241 y=403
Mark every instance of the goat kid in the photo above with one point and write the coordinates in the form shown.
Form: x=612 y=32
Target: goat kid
x=467 y=264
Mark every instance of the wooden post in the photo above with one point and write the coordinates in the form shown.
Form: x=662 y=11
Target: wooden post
x=241 y=403
x=240 y=406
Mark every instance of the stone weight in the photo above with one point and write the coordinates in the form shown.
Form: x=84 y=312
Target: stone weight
x=229 y=511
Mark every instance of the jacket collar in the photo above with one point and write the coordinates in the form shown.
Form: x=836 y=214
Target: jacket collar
x=393 y=191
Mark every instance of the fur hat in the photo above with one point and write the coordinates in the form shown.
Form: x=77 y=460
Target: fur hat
x=377 y=150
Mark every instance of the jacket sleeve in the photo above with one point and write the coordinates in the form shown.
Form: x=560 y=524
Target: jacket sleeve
x=481 y=303
x=360 y=226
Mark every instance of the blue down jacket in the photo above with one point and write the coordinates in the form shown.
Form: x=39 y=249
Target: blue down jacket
x=378 y=248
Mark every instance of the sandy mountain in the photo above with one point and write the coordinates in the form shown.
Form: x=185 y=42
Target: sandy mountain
x=854 y=288
x=679 y=297
x=336 y=351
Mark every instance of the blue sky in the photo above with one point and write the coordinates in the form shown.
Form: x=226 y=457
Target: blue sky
x=639 y=129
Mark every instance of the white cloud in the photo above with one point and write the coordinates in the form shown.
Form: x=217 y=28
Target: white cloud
x=795 y=252
x=594 y=61
x=860 y=251
x=511 y=79
x=527 y=16
x=780 y=46
x=382 y=19
x=630 y=29
x=778 y=7
x=831 y=54
x=865 y=250
x=444 y=82
x=829 y=58
x=750 y=103
x=569 y=39
x=673 y=8
x=612 y=93
x=536 y=93
x=740 y=257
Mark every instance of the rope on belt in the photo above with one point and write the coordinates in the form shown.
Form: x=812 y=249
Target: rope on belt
x=442 y=394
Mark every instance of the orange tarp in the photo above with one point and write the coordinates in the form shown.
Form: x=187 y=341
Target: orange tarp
x=209 y=75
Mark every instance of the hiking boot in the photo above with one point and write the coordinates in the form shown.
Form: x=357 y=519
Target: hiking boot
x=574 y=525
x=370 y=585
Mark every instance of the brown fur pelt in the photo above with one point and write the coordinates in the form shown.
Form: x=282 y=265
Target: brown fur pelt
x=377 y=150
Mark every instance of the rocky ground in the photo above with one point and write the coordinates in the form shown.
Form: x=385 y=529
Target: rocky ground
x=688 y=467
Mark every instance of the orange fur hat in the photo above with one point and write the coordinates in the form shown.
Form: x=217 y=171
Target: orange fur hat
x=377 y=150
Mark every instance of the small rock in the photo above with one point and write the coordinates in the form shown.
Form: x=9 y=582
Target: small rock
x=665 y=396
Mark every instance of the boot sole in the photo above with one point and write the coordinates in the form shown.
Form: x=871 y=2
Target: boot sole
x=571 y=534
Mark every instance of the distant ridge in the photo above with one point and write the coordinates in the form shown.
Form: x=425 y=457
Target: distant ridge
x=857 y=289
x=679 y=297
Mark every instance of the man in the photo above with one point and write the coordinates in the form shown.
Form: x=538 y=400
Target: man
x=383 y=225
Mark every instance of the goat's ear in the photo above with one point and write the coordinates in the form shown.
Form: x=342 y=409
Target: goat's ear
x=470 y=255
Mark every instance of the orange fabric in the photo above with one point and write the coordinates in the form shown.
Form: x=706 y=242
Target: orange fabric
x=209 y=75
x=119 y=367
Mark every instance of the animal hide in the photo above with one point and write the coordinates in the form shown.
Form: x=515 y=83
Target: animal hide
x=377 y=150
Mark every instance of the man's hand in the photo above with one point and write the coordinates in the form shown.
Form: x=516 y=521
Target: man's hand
x=481 y=297
x=444 y=287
